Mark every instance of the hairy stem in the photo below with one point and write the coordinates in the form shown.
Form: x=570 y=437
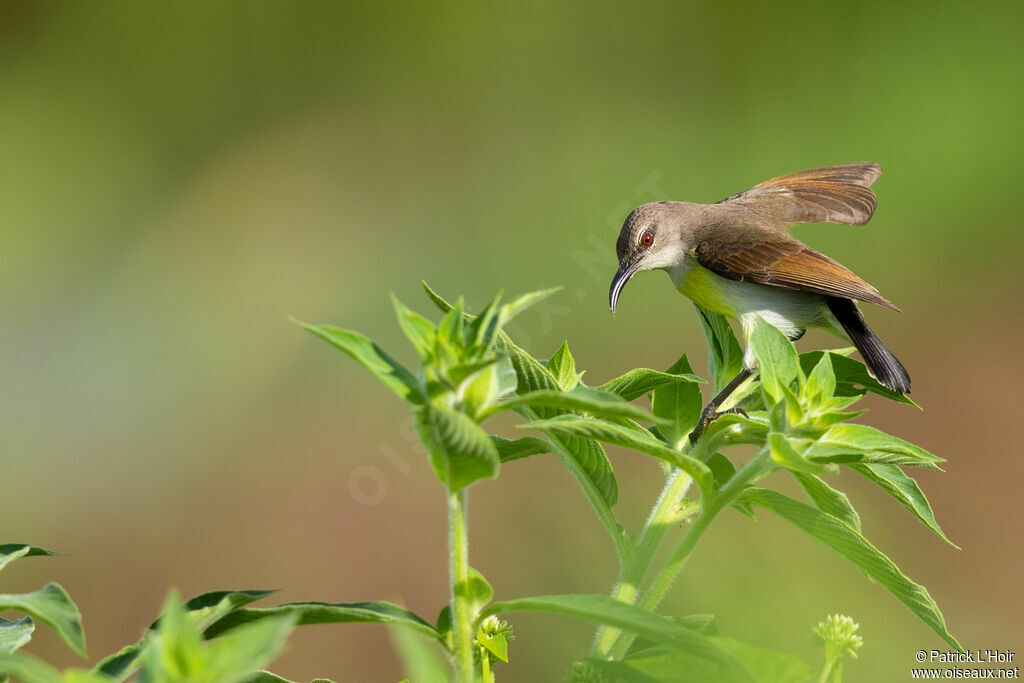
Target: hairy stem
x=755 y=468
x=664 y=515
x=462 y=617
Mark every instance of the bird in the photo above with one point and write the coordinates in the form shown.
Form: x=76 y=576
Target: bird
x=736 y=257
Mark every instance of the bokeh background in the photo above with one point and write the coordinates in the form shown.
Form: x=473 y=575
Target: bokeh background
x=177 y=178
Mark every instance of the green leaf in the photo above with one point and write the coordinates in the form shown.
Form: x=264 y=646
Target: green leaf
x=483 y=327
x=662 y=665
x=372 y=357
x=821 y=381
x=854 y=443
x=784 y=452
x=725 y=358
x=9 y=552
x=530 y=374
x=602 y=609
x=264 y=677
x=520 y=304
x=563 y=367
x=420 y=658
x=845 y=540
x=589 y=464
x=723 y=470
x=641 y=381
x=477 y=590
x=637 y=439
x=419 y=330
x=452 y=326
x=496 y=644
x=327 y=613
x=460 y=451
x=509 y=449
x=905 y=490
x=581 y=399
x=32 y=670
x=52 y=606
x=481 y=390
x=829 y=500
x=677 y=405
x=202 y=610
x=776 y=359
x=851 y=377
x=14 y=634
x=175 y=652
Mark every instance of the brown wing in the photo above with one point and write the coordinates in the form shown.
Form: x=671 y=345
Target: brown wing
x=787 y=264
x=836 y=194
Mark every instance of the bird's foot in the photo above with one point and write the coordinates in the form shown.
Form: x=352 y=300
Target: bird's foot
x=709 y=415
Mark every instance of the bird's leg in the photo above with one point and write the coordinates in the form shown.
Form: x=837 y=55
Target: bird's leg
x=710 y=413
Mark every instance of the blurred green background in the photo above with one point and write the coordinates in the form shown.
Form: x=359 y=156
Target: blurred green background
x=176 y=178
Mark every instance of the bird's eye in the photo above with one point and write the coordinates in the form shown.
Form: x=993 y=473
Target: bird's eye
x=647 y=239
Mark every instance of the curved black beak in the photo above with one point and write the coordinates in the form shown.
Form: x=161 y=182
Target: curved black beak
x=622 y=276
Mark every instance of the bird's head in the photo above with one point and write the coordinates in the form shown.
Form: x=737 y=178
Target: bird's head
x=655 y=236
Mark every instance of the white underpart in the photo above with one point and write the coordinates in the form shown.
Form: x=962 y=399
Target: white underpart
x=790 y=311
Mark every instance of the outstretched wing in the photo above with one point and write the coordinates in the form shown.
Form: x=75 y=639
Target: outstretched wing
x=836 y=194
x=787 y=264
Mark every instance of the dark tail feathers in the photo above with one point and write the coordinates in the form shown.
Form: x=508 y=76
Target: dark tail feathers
x=882 y=365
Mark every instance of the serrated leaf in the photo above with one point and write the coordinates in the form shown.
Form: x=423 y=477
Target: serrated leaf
x=725 y=358
x=509 y=449
x=641 y=381
x=14 y=634
x=582 y=399
x=854 y=443
x=563 y=366
x=602 y=609
x=52 y=606
x=589 y=464
x=905 y=490
x=637 y=439
x=420 y=331
x=828 y=499
x=784 y=452
x=365 y=352
x=677 y=405
x=851 y=377
x=845 y=540
x=327 y=613
x=777 y=359
x=460 y=451
x=9 y=552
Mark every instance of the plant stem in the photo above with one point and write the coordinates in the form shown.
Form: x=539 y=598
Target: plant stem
x=462 y=618
x=663 y=516
x=727 y=495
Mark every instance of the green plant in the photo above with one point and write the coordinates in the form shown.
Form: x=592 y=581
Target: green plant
x=795 y=413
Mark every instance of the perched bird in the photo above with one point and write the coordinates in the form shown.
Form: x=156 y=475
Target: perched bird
x=736 y=257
